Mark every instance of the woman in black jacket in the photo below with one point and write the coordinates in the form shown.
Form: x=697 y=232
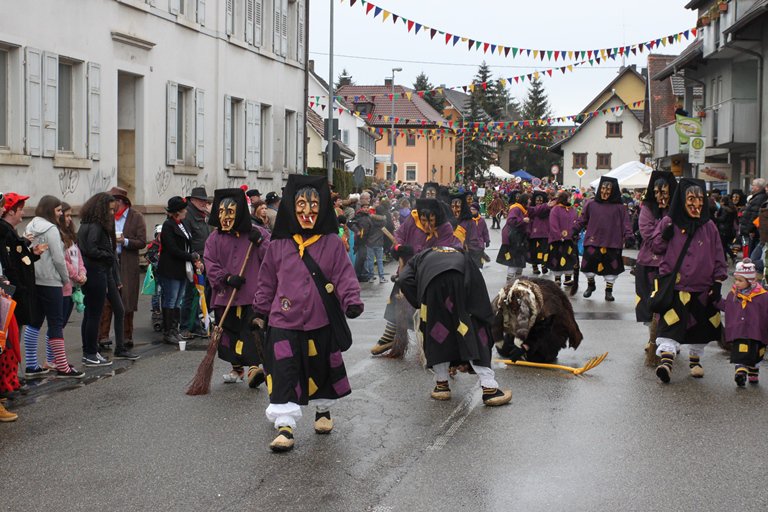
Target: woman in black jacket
x=726 y=220
x=176 y=264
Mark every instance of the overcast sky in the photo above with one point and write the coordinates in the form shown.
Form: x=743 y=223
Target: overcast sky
x=369 y=49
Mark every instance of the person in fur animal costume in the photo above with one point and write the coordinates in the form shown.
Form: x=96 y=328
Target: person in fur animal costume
x=533 y=321
x=455 y=318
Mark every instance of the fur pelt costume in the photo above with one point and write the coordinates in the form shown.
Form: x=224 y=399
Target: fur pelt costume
x=533 y=321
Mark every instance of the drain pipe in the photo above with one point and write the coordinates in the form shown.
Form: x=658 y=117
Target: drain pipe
x=758 y=145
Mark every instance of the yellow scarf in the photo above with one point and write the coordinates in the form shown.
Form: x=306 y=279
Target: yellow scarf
x=460 y=233
x=415 y=215
x=518 y=205
x=304 y=244
x=754 y=292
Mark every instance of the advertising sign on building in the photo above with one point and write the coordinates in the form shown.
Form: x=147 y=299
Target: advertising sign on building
x=686 y=127
x=696 y=147
x=715 y=172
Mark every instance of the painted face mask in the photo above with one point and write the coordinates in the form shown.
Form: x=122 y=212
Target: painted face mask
x=227 y=214
x=662 y=195
x=694 y=202
x=307 y=207
x=538 y=200
x=470 y=199
x=456 y=207
x=429 y=221
x=430 y=193
x=605 y=191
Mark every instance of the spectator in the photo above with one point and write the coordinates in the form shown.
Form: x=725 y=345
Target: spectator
x=273 y=202
x=496 y=210
x=374 y=244
x=50 y=277
x=131 y=237
x=725 y=219
x=73 y=259
x=196 y=224
x=260 y=214
x=746 y=227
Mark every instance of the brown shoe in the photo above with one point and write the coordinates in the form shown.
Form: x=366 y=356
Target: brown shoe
x=323 y=423
x=493 y=397
x=284 y=440
x=255 y=377
x=441 y=392
x=7 y=416
x=381 y=346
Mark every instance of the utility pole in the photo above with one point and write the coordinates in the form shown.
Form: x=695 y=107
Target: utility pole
x=331 y=94
x=392 y=139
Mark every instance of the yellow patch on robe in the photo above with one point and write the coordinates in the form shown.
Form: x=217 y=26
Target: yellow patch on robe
x=239 y=312
x=600 y=267
x=311 y=349
x=507 y=256
x=743 y=347
x=715 y=319
x=603 y=250
x=570 y=250
x=269 y=384
x=671 y=318
x=637 y=299
x=423 y=313
x=462 y=328
x=239 y=347
x=562 y=262
x=685 y=297
x=312 y=387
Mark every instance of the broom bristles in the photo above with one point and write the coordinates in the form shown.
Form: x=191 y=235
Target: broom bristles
x=201 y=382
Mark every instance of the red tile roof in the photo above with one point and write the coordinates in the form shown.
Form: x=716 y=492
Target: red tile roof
x=412 y=113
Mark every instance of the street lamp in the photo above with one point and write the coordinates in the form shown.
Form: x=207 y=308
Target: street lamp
x=392 y=169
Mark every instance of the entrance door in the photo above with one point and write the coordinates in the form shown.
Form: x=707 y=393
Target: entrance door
x=127 y=125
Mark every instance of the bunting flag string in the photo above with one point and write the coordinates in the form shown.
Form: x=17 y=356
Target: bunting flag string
x=413 y=27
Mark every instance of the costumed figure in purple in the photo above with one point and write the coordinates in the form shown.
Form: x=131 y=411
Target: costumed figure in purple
x=225 y=252
x=514 y=238
x=693 y=319
x=563 y=254
x=607 y=227
x=746 y=322
x=471 y=229
x=538 y=231
x=306 y=287
x=410 y=238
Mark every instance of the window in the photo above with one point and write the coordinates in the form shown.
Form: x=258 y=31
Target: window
x=345 y=137
x=266 y=136
x=389 y=138
x=234 y=133
x=280 y=28
x=410 y=172
x=613 y=129
x=289 y=140
x=4 y=98
x=410 y=140
x=442 y=146
x=186 y=132
x=603 y=160
x=450 y=144
x=579 y=160
x=64 y=136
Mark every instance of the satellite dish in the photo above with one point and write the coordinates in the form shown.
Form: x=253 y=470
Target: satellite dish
x=358 y=176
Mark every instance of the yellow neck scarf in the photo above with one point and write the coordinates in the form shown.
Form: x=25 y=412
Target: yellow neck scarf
x=754 y=292
x=522 y=208
x=304 y=244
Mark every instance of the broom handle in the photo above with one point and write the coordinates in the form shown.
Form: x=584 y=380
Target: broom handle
x=234 y=290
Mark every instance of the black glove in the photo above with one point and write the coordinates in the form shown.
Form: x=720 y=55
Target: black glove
x=234 y=281
x=403 y=251
x=354 y=311
x=668 y=233
x=517 y=353
x=715 y=292
x=255 y=236
x=488 y=243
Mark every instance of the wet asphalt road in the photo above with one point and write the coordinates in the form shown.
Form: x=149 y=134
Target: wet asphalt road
x=613 y=439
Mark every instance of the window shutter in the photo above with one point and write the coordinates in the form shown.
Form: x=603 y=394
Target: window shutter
x=300 y=36
x=284 y=29
x=201 y=12
x=249 y=17
x=300 y=142
x=175 y=6
x=276 y=40
x=94 y=111
x=252 y=135
x=258 y=20
x=34 y=92
x=50 y=102
x=173 y=130
x=227 y=131
x=200 y=128
x=229 y=18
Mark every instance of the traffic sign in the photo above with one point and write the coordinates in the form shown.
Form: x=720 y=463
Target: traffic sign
x=580 y=173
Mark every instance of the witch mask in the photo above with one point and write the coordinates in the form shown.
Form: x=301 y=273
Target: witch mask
x=661 y=192
x=606 y=189
x=227 y=214
x=307 y=204
x=694 y=202
x=428 y=221
x=456 y=207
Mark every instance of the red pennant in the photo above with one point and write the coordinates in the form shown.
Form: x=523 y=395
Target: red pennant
x=369 y=8
x=448 y=38
x=485 y=47
x=410 y=25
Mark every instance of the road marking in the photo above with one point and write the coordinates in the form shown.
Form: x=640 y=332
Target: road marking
x=454 y=421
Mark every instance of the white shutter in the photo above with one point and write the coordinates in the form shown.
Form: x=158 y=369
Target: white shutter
x=172 y=133
x=200 y=128
x=252 y=135
x=94 y=111
x=276 y=40
x=300 y=34
x=34 y=92
x=175 y=6
x=227 y=131
x=201 y=12
x=284 y=29
x=300 y=142
x=249 y=16
x=229 y=18
x=258 y=21
x=50 y=102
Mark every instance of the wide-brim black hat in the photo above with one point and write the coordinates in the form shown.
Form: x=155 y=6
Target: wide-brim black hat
x=176 y=204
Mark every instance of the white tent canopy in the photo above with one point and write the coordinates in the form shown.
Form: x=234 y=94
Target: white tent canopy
x=632 y=174
x=498 y=172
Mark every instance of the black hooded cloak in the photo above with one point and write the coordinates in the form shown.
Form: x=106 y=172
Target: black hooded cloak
x=615 y=192
x=242 y=216
x=677 y=211
x=286 y=223
x=650 y=196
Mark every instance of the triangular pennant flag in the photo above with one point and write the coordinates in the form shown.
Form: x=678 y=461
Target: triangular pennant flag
x=557 y=54
x=535 y=53
x=455 y=40
x=410 y=25
x=477 y=44
x=432 y=33
x=408 y=95
x=418 y=27
x=485 y=47
x=470 y=42
x=386 y=15
x=394 y=18
x=493 y=48
x=694 y=31
x=506 y=52
x=549 y=55
x=377 y=11
x=549 y=72
x=369 y=8
x=447 y=38
x=352 y=2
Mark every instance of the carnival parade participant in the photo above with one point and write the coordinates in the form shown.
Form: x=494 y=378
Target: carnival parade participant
x=607 y=227
x=514 y=238
x=225 y=252
x=478 y=238
x=538 y=231
x=306 y=286
x=455 y=316
x=563 y=255
x=746 y=322
x=410 y=238
x=688 y=234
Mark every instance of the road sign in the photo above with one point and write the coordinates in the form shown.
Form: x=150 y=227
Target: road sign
x=696 y=150
x=580 y=173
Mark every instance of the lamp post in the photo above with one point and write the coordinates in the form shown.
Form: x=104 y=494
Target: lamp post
x=392 y=169
x=331 y=93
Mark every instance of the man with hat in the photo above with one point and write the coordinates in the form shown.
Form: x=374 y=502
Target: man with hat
x=131 y=237
x=273 y=202
x=196 y=223
x=253 y=195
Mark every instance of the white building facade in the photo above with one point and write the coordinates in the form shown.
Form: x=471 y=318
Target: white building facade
x=156 y=96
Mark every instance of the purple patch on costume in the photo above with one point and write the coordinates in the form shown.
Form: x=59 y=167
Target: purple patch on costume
x=590 y=250
x=439 y=332
x=297 y=389
x=449 y=304
x=335 y=359
x=483 y=336
x=282 y=350
x=615 y=263
x=225 y=341
x=342 y=386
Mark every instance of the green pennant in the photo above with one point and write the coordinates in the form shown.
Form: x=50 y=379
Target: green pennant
x=514 y=52
x=549 y=54
x=477 y=44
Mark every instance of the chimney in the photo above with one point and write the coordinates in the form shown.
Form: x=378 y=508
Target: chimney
x=388 y=82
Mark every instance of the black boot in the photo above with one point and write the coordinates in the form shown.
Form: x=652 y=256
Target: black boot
x=590 y=287
x=168 y=334
x=536 y=271
x=609 y=292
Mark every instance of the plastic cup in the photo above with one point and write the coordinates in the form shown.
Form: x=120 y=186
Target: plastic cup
x=182 y=345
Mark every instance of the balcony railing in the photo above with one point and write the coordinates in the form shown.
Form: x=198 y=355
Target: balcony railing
x=665 y=141
x=731 y=122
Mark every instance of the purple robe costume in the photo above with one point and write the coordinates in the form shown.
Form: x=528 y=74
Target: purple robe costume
x=563 y=254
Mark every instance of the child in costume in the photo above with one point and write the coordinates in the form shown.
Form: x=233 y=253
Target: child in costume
x=514 y=238
x=746 y=322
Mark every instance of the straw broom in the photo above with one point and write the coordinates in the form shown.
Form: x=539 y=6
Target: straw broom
x=201 y=383
x=403 y=313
